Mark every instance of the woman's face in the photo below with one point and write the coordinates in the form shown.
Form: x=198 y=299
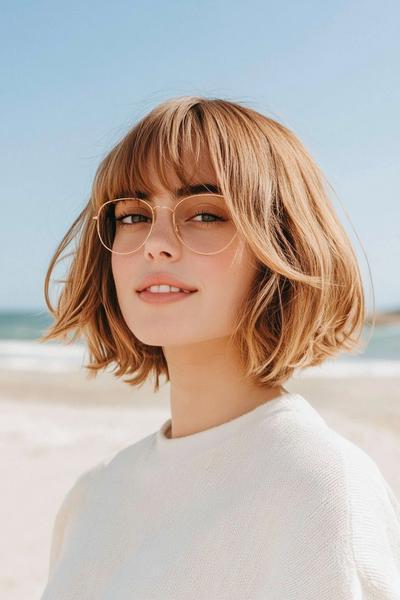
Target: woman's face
x=222 y=280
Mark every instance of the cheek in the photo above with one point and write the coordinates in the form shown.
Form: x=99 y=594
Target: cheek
x=229 y=275
x=241 y=265
x=115 y=269
x=123 y=271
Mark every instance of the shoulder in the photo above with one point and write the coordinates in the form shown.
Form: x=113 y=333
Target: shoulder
x=76 y=495
x=305 y=450
x=305 y=446
x=339 y=497
x=319 y=455
x=374 y=524
x=92 y=489
x=71 y=506
x=323 y=471
x=102 y=475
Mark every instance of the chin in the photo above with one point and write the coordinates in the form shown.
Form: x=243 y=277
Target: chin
x=157 y=339
x=168 y=339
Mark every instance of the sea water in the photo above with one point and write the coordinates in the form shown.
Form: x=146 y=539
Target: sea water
x=20 y=349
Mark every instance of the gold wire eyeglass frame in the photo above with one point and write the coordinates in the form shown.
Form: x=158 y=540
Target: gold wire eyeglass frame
x=96 y=218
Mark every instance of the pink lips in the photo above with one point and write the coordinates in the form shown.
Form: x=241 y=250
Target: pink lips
x=161 y=298
x=163 y=279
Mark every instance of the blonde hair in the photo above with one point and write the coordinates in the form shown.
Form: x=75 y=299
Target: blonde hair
x=306 y=303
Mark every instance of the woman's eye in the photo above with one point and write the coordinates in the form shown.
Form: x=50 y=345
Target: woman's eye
x=205 y=214
x=129 y=219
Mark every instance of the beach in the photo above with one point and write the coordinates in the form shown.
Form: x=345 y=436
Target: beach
x=57 y=424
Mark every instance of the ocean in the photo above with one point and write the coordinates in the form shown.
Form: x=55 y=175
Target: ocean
x=20 y=350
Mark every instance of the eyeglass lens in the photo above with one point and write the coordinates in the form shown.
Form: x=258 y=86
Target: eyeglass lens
x=202 y=222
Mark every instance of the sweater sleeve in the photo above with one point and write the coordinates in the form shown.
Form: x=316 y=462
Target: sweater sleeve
x=65 y=516
x=374 y=523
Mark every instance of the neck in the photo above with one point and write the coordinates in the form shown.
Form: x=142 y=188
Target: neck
x=208 y=387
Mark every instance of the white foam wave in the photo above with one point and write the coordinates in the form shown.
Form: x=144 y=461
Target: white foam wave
x=20 y=355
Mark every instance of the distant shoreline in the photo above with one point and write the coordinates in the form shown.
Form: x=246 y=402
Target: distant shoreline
x=390 y=317
x=29 y=324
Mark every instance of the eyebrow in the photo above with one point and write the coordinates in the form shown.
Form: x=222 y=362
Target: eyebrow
x=188 y=190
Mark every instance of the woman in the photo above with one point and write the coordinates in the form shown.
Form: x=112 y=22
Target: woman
x=209 y=253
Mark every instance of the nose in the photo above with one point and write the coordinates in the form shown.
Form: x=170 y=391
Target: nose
x=163 y=236
x=163 y=222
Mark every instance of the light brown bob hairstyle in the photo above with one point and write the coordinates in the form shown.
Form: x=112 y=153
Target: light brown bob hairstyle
x=306 y=303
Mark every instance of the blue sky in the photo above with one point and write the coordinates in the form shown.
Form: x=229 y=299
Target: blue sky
x=76 y=76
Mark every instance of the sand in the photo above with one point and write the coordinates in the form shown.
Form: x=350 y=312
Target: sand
x=55 y=426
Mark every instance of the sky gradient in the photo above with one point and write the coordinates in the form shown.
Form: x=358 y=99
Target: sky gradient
x=76 y=77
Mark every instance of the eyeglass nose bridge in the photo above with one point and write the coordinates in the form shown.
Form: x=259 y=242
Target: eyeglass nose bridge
x=162 y=206
x=173 y=219
x=96 y=220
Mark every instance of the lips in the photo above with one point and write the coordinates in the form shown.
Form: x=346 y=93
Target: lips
x=172 y=292
x=164 y=279
x=163 y=298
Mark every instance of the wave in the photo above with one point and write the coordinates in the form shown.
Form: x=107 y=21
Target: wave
x=22 y=355
x=53 y=357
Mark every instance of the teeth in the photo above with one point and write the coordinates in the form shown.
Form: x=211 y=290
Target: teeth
x=161 y=289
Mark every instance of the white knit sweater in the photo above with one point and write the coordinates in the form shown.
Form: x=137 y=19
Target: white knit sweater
x=272 y=505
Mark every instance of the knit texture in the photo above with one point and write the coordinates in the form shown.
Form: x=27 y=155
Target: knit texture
x=272 y=505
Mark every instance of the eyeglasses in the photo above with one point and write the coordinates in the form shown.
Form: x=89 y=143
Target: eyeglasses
x=201 y=222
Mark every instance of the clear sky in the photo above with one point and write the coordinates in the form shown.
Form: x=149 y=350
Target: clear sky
x=75 y=76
